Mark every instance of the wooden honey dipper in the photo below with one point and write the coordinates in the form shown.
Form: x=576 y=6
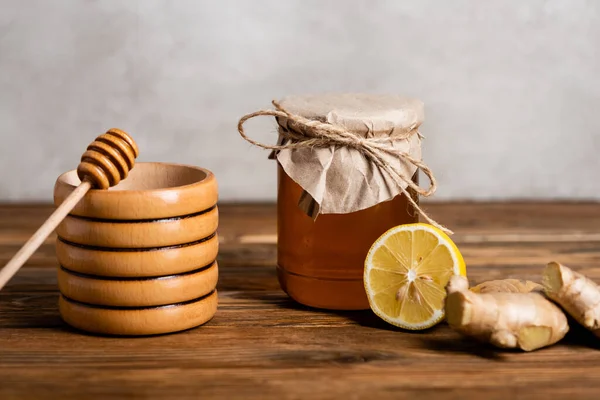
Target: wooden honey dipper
x=105 y=163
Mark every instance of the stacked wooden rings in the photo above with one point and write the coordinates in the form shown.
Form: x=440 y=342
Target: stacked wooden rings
x=140 y=258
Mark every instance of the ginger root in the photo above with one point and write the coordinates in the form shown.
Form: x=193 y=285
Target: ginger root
x=575 y=293
x=507 y=286
x=527 y=320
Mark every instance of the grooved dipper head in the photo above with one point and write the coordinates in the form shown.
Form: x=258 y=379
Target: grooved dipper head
x=108 y=159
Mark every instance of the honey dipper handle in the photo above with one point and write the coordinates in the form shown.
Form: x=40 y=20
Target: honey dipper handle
x=42 y=233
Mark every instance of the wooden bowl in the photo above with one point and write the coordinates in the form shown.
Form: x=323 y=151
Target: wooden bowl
x=159 y=261
x=139 y=258
x=139 y=234
x=137 y=292
x=157 y=205
x=151 y=191
x=160 y=221
x=138 y=321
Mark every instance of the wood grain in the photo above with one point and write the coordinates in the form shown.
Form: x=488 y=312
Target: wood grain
x=262 y=345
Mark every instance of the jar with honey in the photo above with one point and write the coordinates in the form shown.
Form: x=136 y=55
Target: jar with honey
x=347 y=167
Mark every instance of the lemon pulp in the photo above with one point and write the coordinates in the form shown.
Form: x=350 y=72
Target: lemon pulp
x=406 y=272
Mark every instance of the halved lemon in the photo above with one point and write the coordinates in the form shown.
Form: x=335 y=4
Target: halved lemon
x=406 y=272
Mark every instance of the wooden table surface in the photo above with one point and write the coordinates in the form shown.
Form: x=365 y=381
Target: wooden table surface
x=262 y=345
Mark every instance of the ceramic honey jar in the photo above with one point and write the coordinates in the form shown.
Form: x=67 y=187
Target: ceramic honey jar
x=347 y=168
x=140 y=257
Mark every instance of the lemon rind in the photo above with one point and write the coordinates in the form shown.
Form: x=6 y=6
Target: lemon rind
x=443 y=239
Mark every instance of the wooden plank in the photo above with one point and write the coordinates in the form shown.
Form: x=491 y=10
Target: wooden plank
x=462 y=217
x=484 y=260
x=262 y=338
x=264 y=341
x=254 y=226
x=262 y=345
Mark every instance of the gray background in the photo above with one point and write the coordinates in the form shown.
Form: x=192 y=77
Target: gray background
x=512 y=89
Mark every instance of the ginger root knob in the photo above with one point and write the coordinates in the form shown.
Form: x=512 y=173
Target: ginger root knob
x=508 y=286
x=575 y=293
x=527 y=320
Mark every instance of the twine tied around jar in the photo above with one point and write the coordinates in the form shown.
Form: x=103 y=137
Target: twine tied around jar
x=309 y=133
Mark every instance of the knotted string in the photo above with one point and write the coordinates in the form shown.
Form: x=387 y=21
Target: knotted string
x=309 y=133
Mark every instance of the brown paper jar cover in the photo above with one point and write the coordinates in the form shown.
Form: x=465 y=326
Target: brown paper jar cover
x=321 y=254
x=340 y=179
